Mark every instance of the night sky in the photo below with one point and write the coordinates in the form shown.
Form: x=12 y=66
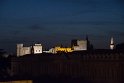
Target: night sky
x=53 y=22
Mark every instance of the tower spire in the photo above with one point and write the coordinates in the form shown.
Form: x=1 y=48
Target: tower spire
x=88 y=43
x=112 y=43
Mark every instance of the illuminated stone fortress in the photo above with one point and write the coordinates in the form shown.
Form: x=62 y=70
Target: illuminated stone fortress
x=76 y=45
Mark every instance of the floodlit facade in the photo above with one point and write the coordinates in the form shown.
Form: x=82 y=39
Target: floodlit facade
x=21 y=50
x=59 y=49
x=37 y=48
x=79 y=45
x=76 y=45
x=112 y=44
x=27 y=50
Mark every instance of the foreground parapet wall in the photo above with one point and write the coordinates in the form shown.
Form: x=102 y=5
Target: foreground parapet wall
x=19 y=81
x=98 y=68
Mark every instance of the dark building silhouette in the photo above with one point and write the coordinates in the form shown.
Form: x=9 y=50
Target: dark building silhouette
x=98 y=66
x=4 y=64
x=120 y=46
x=74 y=42
x=89 y=45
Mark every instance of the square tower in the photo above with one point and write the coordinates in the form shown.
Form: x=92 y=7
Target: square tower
x=37 y=48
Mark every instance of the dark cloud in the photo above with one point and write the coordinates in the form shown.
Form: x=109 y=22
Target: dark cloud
x=83 y=22
x=84 y=11
x=36 y=27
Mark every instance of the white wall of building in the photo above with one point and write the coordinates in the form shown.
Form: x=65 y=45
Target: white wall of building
x=23 y=50
x=27 y=50
x=81 y=45
x=19 y=49
x=37 y=48
x=52 y=50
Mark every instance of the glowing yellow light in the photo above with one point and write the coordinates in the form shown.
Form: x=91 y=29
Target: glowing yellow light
x=63 y=49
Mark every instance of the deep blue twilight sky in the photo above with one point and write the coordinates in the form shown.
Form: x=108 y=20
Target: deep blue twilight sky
x=52 y=22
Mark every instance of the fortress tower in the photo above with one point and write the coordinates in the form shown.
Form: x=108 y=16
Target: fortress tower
x=19 y=49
